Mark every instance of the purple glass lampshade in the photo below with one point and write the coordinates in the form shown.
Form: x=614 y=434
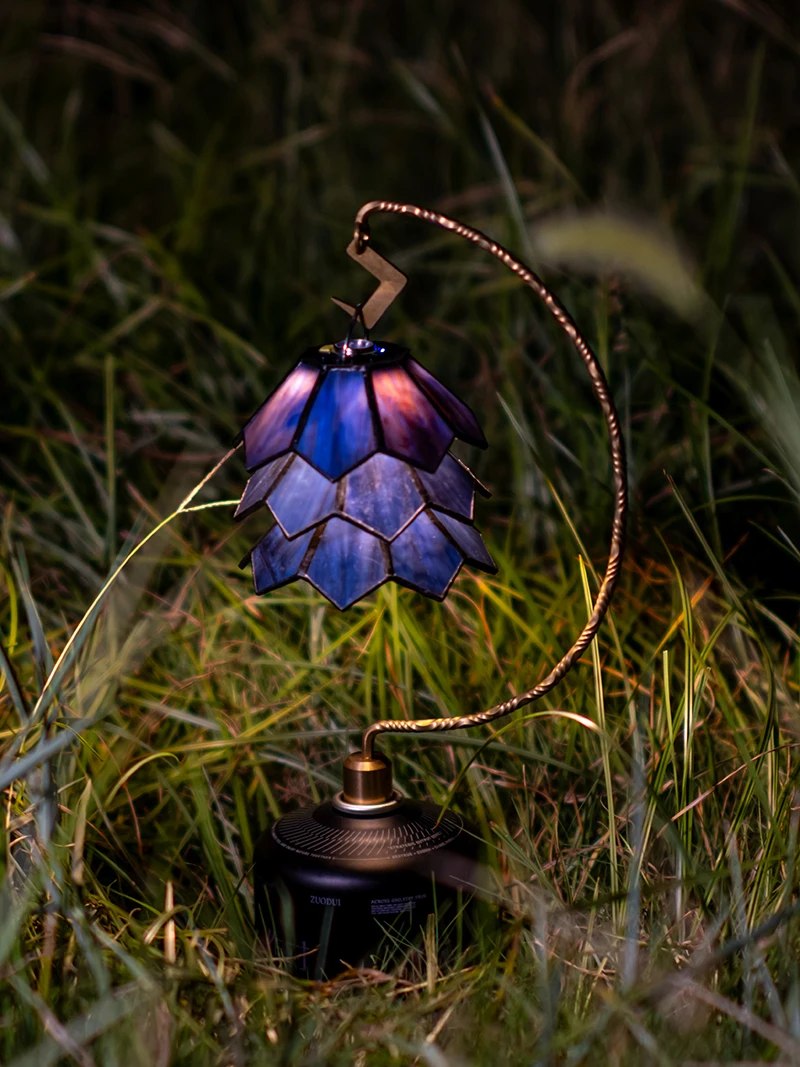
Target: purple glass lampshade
x=350 y=455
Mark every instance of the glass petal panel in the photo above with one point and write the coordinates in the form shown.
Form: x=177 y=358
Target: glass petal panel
x=302 y=498
x=454 y=410
x=424 y=557
x=469 y=541
x=339 y=431
x=412 y=428
x=451 y=487
x=381 y=494
x=348 y=563
x=258 y=486
x=276 y=559
x=271 y=429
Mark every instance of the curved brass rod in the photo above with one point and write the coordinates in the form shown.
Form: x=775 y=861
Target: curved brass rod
x=361 y=238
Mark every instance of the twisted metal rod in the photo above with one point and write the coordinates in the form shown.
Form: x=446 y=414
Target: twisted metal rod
x=361 y=239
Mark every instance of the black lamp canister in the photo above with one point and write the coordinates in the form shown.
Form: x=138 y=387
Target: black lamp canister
x=350 y=454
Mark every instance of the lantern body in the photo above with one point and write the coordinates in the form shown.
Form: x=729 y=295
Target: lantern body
x=350 y=455
x=333 y=886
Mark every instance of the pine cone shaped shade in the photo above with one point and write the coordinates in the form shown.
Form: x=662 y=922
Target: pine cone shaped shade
x=349 y=454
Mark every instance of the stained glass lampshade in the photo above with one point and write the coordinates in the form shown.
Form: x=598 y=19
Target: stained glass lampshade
x=351 y=455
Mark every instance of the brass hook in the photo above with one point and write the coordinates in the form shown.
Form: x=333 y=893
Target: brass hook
x=392 y=281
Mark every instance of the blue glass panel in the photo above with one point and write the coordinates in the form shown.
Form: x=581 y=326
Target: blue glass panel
x=258 y=486
x=451 y=487
x=412 y=428
x=469 y=541
x=347 y=564
x=424 y=557
x=454 y=410
x=271 y=429
x=302 y=498
x=276 y=560
x=339 y=431
x=381 y=494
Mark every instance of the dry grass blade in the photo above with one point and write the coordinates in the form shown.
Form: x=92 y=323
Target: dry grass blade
x=780 y=1038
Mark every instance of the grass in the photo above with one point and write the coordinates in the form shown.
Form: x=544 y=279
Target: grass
x=178 y=190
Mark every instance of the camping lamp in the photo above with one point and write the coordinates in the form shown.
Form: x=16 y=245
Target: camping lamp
x=351 y=455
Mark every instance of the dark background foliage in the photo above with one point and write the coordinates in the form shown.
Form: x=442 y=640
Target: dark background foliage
x=231 y=143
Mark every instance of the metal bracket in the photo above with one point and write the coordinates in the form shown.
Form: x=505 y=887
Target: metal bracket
x=392 y=284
